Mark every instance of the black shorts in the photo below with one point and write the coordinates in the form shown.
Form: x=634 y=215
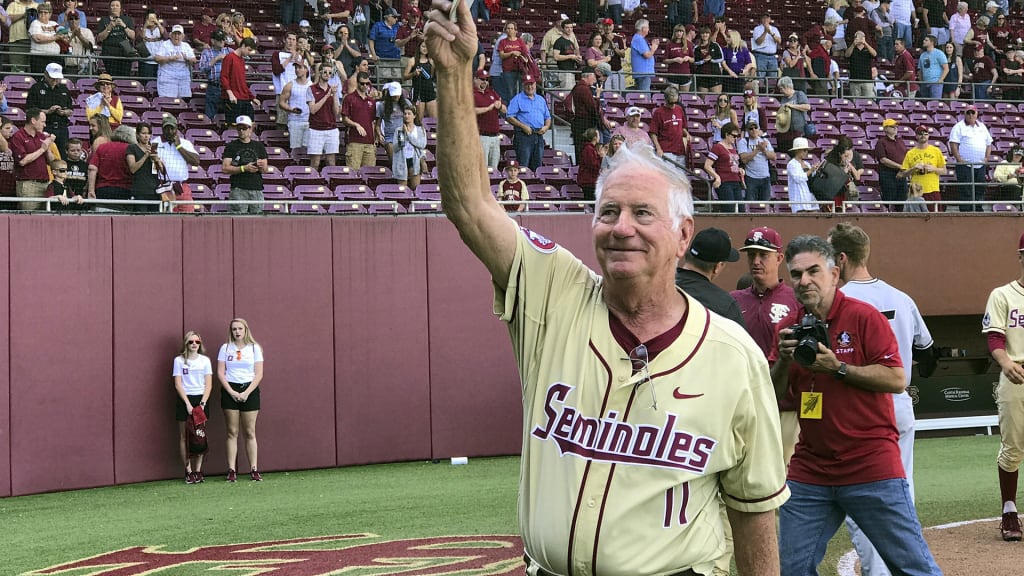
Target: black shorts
x=250 y=405
x=179 y=407
x=708 y=82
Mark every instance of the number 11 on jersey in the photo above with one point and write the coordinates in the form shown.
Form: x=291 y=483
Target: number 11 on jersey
x=671 y=505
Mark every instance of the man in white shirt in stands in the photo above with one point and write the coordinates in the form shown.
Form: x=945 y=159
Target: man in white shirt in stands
x=970 y=143
x=176 y=153
x=765 y=46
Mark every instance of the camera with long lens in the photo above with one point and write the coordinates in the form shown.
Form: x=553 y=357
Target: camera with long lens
x=808 y=333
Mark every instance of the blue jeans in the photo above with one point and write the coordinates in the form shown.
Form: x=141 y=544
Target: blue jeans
x=981 y=90
x=291 y=11
x=929 y=91
x=212 y=100
x=479 y=11
x=893 y=189
x=905 y=31
x=529 y=149
x=759 y=189
x=884 y=510
x=510 y=82
x=643 y=82
x=886 y=48
x=766 y=63
x=614 y=11
x=731 y=191
x=970 y=186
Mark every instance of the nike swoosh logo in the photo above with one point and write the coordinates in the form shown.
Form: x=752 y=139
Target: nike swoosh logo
x=888 y=356
x=683 y=396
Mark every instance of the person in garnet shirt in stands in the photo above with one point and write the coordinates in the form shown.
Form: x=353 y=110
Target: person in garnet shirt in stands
x=488 y=105
x=201 y=31
x=236 y=97
x=109 y=177
x=590 y=163
x=586 y=110
x=512 y=189
x=32 y=155
x=668 y=129
x=358 y=111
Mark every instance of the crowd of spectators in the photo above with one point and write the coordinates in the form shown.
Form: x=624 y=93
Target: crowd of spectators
x=330 y=101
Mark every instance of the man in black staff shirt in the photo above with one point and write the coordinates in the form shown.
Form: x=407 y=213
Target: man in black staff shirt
x=52 y=96
x=710 y=250
x=114 y=29
x=245 y=160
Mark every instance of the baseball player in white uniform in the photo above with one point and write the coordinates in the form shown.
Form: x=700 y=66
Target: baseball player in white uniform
x=853 y=247
x=1003 y=325
x=640 y=406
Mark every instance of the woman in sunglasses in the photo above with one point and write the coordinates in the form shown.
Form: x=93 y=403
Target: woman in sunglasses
x=721 y=115
x=723 y=166
x=193 y=382
x=240 y=371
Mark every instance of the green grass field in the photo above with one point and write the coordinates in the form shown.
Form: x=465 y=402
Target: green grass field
x=956 y=480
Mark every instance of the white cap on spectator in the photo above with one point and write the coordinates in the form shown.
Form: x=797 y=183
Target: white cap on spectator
x=393 y=88
x=244 y=120
x=991 y=5
x=634 y=111
x=53 y=70
x=303 y=23
x=177 y=28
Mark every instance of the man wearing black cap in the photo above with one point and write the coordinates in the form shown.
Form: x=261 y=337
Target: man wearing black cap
x=705 y=259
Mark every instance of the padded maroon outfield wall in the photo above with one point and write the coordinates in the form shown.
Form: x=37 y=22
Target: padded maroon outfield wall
x=147 y=307
x=382 y=359
x=62 y=349
x=380 y=341
x=5 y=360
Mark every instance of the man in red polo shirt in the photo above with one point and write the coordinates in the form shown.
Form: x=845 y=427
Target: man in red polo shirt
x=668 y=128
x=359 y=111
x=236 y=97
x=904 y=71
x=847 y=461
x=488 y=105
x=32 y=154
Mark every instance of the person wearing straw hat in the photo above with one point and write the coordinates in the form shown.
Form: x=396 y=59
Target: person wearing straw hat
x=799 y=171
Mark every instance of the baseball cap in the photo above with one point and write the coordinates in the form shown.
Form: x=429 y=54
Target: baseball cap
x=218 y=35
x=634 y=111
x=177 y=28
x=748 y=92
x=244 y=120
x=511 y=164
x=763 y=238
x=607 y=21
x=713 y=245
x=303 y=23
x=1017 y=149
x=53 y=70
x=393 y=88
x=169 y=120
x=971 y=108
x=889 y=122
x=922 y=129
x=604 y=69
x=991 y=5
x=529 y=79
x=388 y=12
x=483 y=74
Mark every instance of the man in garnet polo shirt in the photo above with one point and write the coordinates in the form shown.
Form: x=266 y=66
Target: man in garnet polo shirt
x=890 y=152
x=488 y=105
x=668 y=128
x=764 y=305
x=32 y=154
x=359 y=111
x=847 y=461
x=238 y=100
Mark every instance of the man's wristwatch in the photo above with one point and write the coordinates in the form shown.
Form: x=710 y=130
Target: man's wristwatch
x=841 y=371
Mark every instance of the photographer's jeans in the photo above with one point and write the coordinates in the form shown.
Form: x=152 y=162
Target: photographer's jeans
x=884 y=510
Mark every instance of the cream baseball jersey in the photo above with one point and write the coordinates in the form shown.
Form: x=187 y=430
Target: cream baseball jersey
x=1004 y=313
x=612 y=481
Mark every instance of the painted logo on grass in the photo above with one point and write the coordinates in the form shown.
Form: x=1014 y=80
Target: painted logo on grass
x=355 y=554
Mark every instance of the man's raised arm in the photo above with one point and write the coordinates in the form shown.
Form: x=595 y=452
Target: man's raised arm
x=462 y=174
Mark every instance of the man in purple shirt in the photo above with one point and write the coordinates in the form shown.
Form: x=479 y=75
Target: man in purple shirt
x=764 y=305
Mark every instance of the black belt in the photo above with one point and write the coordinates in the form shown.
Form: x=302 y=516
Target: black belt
x=491 y=135
x=765 y=53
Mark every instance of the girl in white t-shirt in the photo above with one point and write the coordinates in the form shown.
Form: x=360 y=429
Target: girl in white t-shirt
x=193 y=382
x=240 y=370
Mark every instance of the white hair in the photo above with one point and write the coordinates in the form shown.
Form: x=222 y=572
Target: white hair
x=680 y=196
